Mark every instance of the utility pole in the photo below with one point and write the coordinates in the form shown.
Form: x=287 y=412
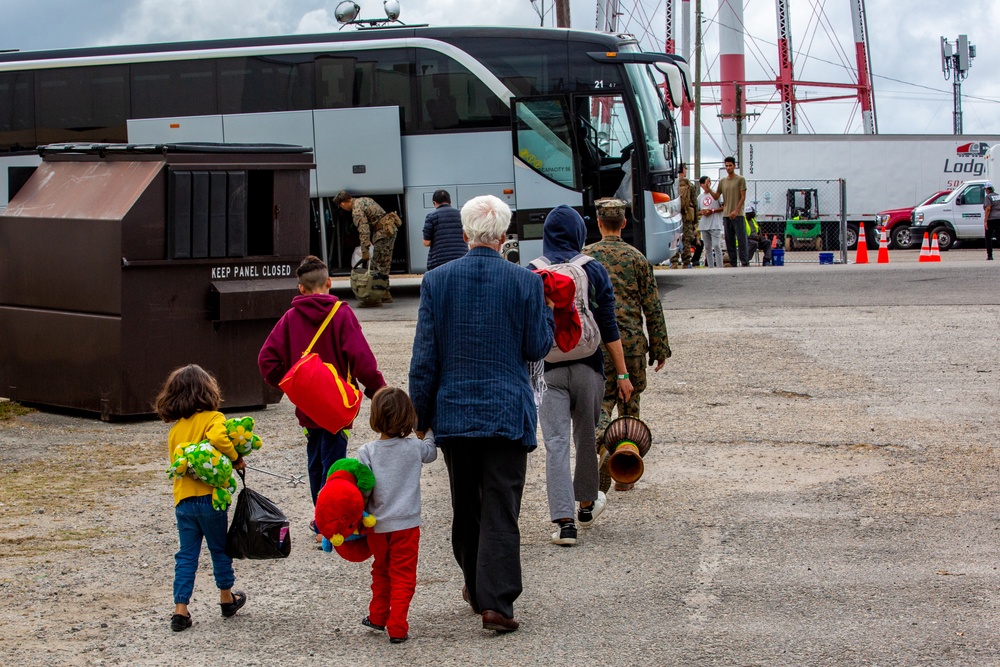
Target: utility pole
x=562 y=13
x=738 y=117
x=697 y=89
x=956 y=62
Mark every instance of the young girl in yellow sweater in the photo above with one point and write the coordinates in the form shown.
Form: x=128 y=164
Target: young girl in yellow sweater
x=191 y=398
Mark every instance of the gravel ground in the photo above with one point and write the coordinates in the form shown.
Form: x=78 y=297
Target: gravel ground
x=817 y=494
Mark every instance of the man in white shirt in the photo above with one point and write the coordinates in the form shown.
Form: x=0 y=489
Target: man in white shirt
x=710 y=211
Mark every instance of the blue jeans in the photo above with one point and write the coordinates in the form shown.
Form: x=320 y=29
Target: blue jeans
x=323 y=449
x=197 y=518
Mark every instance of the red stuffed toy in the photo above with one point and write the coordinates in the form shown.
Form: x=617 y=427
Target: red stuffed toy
x=562 y=291
x=340 y=509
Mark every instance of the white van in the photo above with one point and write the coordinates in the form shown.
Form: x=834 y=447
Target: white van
x=959 y=216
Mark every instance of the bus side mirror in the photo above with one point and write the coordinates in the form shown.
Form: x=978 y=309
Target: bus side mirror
x=663 y=131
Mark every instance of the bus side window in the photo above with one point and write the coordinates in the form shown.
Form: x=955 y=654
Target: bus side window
x=17 y=111
x=334 y=82
x=387 y=81
x=174 y=88
x=82 y=104
x=452 y=98
x=265 y=84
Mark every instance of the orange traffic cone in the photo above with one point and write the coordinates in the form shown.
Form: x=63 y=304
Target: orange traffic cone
x=925 y=250
x=883 y=249
x=774 y=242
x=935 y=250
x=861 y=253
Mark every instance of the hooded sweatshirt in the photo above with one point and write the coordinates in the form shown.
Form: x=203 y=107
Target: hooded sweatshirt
x=563 y=237
x=343 y=344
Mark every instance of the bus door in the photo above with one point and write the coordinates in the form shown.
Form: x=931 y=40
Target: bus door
x=607 y=146
x=546 y=166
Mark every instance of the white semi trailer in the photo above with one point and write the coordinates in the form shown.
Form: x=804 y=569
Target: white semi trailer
x=881 y=171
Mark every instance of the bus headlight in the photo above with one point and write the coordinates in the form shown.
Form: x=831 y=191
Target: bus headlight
x=665 y=207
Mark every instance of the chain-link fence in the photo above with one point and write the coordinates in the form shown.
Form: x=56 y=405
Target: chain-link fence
x=807 y=219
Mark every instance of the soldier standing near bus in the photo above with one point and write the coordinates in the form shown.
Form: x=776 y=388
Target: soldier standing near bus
x=635 y=296
x=376 y=228
x=689 y=204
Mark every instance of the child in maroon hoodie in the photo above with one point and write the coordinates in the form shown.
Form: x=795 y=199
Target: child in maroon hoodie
x=343 y=344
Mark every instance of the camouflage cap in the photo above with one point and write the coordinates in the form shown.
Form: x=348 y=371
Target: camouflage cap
x=610 y=207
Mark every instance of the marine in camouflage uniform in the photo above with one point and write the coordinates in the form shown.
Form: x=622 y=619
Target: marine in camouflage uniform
x=375 y=227
x=636 y=299
x=687 y=195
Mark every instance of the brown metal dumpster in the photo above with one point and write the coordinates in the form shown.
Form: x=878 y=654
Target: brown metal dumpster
x=119 y=263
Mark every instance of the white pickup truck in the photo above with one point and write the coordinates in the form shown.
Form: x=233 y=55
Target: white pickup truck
x=959 y=216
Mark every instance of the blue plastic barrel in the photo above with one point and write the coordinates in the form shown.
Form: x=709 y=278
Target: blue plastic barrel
x=826 y=258
x=778 y=256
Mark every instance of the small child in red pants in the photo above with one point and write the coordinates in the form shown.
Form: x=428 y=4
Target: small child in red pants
x=395 y=460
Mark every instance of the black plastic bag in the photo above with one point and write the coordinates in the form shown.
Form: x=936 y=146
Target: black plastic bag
x=259 y=529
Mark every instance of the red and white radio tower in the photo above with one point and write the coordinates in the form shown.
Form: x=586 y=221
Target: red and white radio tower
x=626 y=16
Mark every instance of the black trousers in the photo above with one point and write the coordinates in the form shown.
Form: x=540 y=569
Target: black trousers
x=735 y=229
x=487 y=479
x=992 y=229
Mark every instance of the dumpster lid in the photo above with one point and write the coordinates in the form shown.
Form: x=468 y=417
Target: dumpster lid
x=83 y=190
x=164 y=149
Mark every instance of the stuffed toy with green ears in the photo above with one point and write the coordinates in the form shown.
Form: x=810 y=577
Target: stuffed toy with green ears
x=205 y=462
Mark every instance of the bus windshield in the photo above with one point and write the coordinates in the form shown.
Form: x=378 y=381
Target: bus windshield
x=650 y=105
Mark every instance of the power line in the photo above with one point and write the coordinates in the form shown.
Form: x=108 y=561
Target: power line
x=879 y=76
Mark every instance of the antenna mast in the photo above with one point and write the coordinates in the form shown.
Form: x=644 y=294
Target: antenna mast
x=956 y=62
x=866 y=93
x=785 y=76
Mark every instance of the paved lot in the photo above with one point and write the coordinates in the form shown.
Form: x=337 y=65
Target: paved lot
x=821 y=491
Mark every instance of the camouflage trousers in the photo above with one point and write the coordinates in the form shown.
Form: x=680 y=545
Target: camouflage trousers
x=690 y=240
x=636 y=367
x=381 y=261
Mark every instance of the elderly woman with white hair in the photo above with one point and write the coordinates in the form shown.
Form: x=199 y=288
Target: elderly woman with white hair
x=481 y=321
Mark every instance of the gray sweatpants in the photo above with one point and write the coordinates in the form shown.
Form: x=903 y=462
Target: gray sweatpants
x=573 y=394
x=712 y=253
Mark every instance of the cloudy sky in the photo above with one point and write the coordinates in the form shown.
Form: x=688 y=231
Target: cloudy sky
x=911 y=93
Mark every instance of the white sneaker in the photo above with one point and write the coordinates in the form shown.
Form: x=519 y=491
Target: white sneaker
x=587 y=516
x=565 y=535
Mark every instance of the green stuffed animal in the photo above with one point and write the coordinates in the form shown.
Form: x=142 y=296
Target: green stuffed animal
x=240 y=432
x=202 y=460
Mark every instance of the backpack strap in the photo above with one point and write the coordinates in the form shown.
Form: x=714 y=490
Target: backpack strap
x=580 y=260
x=322 y=328
x=540 y=263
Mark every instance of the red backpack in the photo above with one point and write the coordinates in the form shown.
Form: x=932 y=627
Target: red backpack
x=318 y=390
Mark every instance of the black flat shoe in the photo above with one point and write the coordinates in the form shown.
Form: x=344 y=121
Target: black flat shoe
x=180 y=622
x=368 y=624
x=398 y=640
x=230 y=608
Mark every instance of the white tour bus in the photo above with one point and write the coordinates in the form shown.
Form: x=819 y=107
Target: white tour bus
x=538 y=117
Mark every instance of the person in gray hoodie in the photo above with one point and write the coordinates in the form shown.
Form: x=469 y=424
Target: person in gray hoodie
x=574 y=389
x=395 y=460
